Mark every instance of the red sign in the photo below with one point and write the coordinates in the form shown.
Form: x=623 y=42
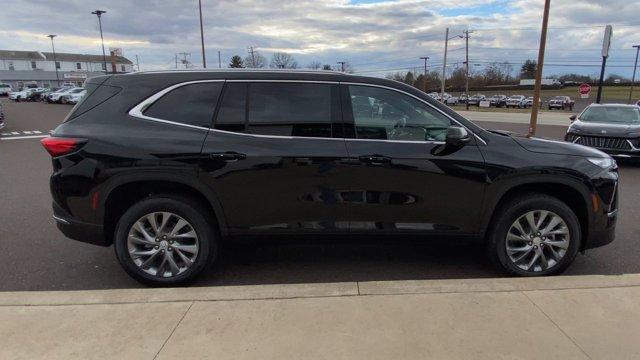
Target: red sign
x=584 y=89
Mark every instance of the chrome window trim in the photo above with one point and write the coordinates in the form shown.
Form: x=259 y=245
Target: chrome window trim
x=138 y=110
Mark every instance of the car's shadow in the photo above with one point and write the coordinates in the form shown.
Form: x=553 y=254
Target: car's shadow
x=274 y=261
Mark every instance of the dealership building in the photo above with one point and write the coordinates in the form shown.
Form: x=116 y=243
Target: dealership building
x=24 y=68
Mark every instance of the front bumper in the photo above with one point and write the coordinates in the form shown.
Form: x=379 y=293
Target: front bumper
x=604 y=236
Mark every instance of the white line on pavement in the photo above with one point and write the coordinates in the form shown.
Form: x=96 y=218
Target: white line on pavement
x=24 y=137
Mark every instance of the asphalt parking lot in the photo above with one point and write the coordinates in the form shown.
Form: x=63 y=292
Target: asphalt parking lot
x=36 y=256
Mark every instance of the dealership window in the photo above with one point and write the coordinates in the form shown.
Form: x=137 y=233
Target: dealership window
x=122 y=68
x=78 y=66
x=11 y=67
x=57 y=64
x=292 y=109
x=389 y=115
x=190 y=104
x=103 y=66
x=33 y=64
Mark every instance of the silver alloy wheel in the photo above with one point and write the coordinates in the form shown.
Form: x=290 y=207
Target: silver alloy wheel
x=163 y=244
x=537 y=240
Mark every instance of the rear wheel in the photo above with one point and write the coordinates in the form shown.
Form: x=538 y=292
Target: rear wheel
x=165 y=240
x=535 y=235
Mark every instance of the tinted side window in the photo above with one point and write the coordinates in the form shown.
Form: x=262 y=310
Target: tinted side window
x=293 y=109
x=386 y=114
x=190 y=104
x=233 y=108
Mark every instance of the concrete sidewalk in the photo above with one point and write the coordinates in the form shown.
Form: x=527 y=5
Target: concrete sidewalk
x=568 y=317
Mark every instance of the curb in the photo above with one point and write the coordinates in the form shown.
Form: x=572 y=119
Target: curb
x=289 y=291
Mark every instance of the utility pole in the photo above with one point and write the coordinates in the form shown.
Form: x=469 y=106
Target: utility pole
x=425 y=58
x=204 y=60
x=137 y=63
x=184 y=58
x=444 y=62
x=341 y=64
x=55 y=62
x=253 y=57
x=104 y=55
x=219 y=61
x=606 y=44
x=466 y=37
x=533 y=122
x=633 y=78
x=176 y=58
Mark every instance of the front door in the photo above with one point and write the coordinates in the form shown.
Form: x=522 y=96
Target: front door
x=403 y=177
x=275 y=160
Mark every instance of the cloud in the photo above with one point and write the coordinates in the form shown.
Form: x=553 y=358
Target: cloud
x=327 y=31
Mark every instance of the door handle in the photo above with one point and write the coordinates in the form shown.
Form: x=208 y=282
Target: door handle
x=227 y=156
x=375 y=159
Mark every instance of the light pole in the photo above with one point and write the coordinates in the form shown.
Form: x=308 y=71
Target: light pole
x=104 y=55
x=341 y=64
x=633 y=78
x=55 y=62
x=204 y=61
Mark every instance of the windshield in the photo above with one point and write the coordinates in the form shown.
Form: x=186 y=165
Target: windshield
x=561 y=98
x=611 y=114
x=76 y=91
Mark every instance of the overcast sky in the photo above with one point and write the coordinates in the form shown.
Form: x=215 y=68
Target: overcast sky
x=376 y=37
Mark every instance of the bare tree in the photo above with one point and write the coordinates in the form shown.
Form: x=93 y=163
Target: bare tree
x=326 y=67
x=254 y=59
x=282 y=60
x=315 y=65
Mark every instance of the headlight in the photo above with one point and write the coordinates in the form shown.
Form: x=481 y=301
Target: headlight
x=602 y=162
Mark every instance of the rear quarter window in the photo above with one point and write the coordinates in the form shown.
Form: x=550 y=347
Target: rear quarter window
x=191 y=104
x=96 y=95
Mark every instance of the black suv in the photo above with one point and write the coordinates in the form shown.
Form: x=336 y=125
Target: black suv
x=166 y=165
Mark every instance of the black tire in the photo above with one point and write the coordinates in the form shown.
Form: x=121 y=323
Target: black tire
x=189 y=210
x=507 y=214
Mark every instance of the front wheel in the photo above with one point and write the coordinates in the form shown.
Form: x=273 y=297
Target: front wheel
x=534 y=235
x=165 y=240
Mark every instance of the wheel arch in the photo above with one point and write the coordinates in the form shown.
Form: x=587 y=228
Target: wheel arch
x=120 y=194
x=575 y=195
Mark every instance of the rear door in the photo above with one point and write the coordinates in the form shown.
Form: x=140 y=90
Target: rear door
x=275 y=157
x=404 y=178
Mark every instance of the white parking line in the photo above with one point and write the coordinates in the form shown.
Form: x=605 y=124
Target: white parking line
x=23 y=137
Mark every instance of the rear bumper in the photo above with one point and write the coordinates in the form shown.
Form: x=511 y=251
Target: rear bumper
x=78 y=230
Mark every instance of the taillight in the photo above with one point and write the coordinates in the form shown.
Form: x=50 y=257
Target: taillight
x=57 y=146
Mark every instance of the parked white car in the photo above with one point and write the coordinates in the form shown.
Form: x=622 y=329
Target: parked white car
x=515 y=100
x=56 y=96
x=20 y=95
x=5 y=89
x=452 y=100
x=74 y=96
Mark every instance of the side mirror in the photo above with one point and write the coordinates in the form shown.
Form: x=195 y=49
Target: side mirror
x=573 y=118
x=457 y=136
